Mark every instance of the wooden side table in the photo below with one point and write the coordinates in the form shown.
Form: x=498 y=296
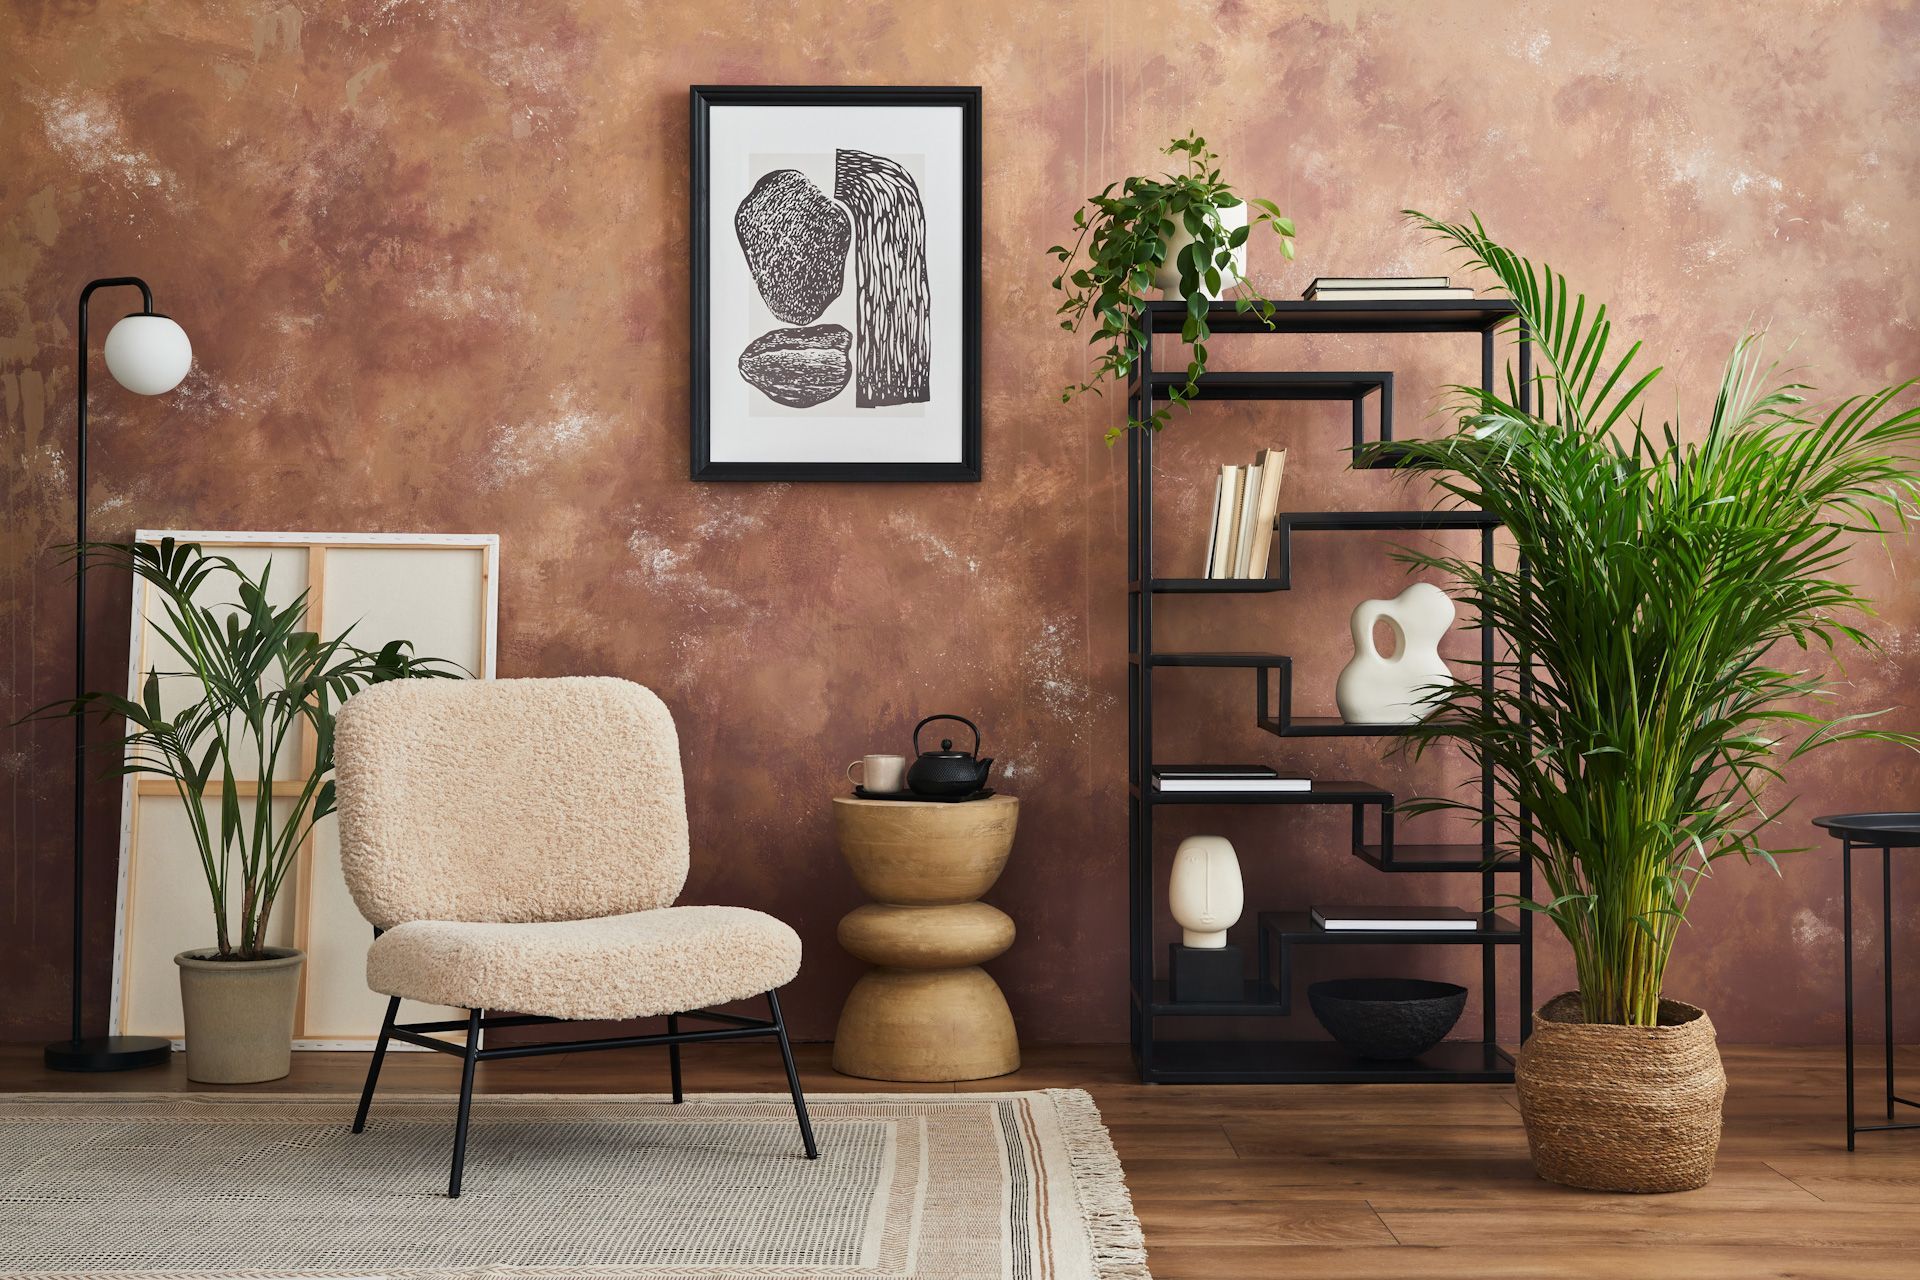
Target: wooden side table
x=927 y=1011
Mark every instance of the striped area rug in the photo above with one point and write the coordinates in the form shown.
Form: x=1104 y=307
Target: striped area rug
x=1023 y=1186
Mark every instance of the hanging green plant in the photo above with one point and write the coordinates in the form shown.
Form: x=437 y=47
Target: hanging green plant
x=1144 y=233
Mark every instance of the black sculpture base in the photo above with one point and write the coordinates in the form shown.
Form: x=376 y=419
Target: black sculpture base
x=108 y=1053
x=1204 y=975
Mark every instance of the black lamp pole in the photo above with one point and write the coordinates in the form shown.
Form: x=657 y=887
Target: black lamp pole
x=81 y=1052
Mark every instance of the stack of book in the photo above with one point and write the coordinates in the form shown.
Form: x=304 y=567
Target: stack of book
x=1394 y=919
x=1383 y=289
x=1242 y=779
x=1244 y=505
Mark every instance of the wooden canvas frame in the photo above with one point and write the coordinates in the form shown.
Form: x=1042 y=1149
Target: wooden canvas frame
x=706 y=406
x=333 y=929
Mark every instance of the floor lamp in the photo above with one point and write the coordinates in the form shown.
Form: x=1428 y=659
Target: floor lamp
x=149 y=354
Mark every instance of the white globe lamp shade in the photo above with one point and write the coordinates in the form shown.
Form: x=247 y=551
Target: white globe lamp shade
x=148 y=354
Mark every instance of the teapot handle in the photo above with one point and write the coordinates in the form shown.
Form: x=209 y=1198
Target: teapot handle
x=962 y=719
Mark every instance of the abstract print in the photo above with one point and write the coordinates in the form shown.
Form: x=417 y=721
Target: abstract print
x=795 y=241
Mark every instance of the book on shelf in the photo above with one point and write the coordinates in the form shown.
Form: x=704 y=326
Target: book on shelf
x=1245 y=501
x=1242 y=779
x=1389 y=295
x=1213 y=526
x=1272 y=466
x=1376 y=282
x=1383 y=289
x=1226 y=520
x=1395 y=919
x=1245 y=526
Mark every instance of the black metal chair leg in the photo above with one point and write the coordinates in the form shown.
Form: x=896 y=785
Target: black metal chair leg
x=466 y=1101
x=673 y=1056
x=793 y=1076
x=373 y=1068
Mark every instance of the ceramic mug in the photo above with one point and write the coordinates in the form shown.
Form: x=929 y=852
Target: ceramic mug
x=881 y=775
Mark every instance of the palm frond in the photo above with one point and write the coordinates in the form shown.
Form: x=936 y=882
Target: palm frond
x=1668 y=624
x=247 y=678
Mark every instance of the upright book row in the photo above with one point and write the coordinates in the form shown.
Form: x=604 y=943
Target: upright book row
x=1245 y=502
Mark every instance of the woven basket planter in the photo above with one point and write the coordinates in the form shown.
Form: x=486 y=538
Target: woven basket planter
x=1613 y=1108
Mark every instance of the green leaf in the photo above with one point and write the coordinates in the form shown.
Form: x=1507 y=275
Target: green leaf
x=1644 y=700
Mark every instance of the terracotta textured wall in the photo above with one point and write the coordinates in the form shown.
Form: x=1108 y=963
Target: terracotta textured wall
x=432 y=257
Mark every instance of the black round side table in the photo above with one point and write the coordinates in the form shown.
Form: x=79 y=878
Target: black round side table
x=1885 y=832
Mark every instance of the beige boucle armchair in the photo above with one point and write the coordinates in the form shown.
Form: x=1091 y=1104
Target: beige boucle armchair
x=517 y=846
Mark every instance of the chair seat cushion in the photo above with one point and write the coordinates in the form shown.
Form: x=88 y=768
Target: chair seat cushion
x=632 y=966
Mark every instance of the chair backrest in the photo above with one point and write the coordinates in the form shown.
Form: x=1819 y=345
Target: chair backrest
x=509 y=800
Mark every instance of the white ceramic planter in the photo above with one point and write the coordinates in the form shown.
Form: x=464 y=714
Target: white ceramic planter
x=1167 y=278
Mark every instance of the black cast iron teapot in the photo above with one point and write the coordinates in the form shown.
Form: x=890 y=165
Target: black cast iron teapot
x=947 y=772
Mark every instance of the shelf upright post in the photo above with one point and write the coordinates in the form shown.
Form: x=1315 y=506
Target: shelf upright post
x=1143 y=916
x=1489 y=889
x=1137 y=1015
x=1525 y=356
x=1489 y=966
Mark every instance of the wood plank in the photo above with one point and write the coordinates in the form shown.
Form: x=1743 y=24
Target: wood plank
x=1403 y=1136
x=1263 y=1222
x=1884 y=1170
x=1198 y=1139
x=1394 y=1183
x=1582 y=1220
x=150 y=786
x=302 y=882
x=1516 y=1256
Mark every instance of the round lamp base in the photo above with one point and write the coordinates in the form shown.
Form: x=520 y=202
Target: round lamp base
x=108 y=1053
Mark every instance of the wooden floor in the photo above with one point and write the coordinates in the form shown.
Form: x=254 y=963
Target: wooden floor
x=1329 y=1183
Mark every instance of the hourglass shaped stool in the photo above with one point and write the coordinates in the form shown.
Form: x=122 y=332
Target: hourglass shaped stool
x=927 y=1011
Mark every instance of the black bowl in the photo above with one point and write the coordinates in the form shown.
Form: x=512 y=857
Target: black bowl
x=1390 y=1018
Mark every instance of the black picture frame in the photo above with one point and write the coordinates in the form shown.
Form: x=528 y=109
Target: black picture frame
x=704 y=97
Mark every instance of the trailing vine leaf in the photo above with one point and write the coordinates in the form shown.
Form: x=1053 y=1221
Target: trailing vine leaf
x=1124 y=242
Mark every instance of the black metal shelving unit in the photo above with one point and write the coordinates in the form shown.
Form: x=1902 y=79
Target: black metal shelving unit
x=1268 y=993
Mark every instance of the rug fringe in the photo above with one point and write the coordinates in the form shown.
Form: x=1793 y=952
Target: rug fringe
x=1106 y=1206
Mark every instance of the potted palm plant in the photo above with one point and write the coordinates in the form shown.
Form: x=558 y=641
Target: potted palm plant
x=247 y=679
x=1671 y=617
x=1184 y=233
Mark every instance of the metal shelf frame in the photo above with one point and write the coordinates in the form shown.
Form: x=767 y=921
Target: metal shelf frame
x=1267 y=994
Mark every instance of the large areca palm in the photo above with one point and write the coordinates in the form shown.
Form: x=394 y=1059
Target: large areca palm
x=1673 y=618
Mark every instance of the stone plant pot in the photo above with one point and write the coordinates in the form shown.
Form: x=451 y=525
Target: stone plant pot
x=1613 y=1108
x=239 y=1015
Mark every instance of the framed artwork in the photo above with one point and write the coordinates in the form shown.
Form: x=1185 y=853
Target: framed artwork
x=836 y=283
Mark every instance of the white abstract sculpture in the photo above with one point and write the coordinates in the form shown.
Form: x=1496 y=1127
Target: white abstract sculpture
x=1205 y=893
x=1401 y=687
